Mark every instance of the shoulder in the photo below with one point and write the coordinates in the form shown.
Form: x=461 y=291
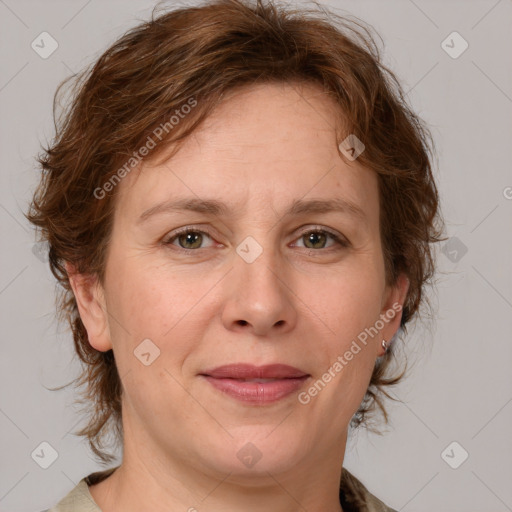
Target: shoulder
x=79 y=499
x=355 y=497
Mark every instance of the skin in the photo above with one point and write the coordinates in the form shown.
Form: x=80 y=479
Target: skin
x=298 y=303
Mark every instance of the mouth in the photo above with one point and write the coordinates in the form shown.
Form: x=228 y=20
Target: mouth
x=246 y=371
x=256 y=385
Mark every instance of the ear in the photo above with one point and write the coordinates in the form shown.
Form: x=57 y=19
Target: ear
x=392 y=308
x=90 y=298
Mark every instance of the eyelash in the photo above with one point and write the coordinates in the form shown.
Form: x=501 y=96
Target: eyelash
x=340 y=241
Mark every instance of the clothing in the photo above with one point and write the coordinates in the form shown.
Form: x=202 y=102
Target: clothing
x=354 y=496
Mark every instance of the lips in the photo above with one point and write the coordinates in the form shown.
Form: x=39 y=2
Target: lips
x=256 y=385
x=249 y=372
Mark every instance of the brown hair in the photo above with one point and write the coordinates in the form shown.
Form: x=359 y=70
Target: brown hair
x=198 y=54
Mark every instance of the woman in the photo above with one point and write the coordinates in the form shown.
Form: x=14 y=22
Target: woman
x=239 y=206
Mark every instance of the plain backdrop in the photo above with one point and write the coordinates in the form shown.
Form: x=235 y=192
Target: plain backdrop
x=458 y=397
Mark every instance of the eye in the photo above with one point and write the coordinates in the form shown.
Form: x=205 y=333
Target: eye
x=188 y=238
x=316 y=238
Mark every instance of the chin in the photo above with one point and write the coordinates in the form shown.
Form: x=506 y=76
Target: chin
x=253 y=452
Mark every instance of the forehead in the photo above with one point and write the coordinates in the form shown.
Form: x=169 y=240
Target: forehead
x=265 y=145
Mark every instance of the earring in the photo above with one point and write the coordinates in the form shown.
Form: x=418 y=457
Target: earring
x=385 y=345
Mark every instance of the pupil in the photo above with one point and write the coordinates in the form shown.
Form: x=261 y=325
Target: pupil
x=189 y=238
x=312 y=237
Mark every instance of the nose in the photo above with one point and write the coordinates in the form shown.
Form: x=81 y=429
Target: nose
x=259 y=296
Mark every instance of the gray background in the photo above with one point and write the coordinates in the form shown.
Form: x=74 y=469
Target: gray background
x=460 y=386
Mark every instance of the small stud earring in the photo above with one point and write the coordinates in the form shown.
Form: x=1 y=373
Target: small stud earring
x=385 y=345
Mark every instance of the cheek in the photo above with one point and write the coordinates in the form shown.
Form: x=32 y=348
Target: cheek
x=148 y=299
x=347 y=303
x=151 y=318
x=350 y=308
x=147 y=305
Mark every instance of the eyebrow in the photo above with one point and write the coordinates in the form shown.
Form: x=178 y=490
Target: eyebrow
x=217 y=208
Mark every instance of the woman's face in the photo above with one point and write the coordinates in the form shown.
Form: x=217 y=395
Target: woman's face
x=253 y=283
